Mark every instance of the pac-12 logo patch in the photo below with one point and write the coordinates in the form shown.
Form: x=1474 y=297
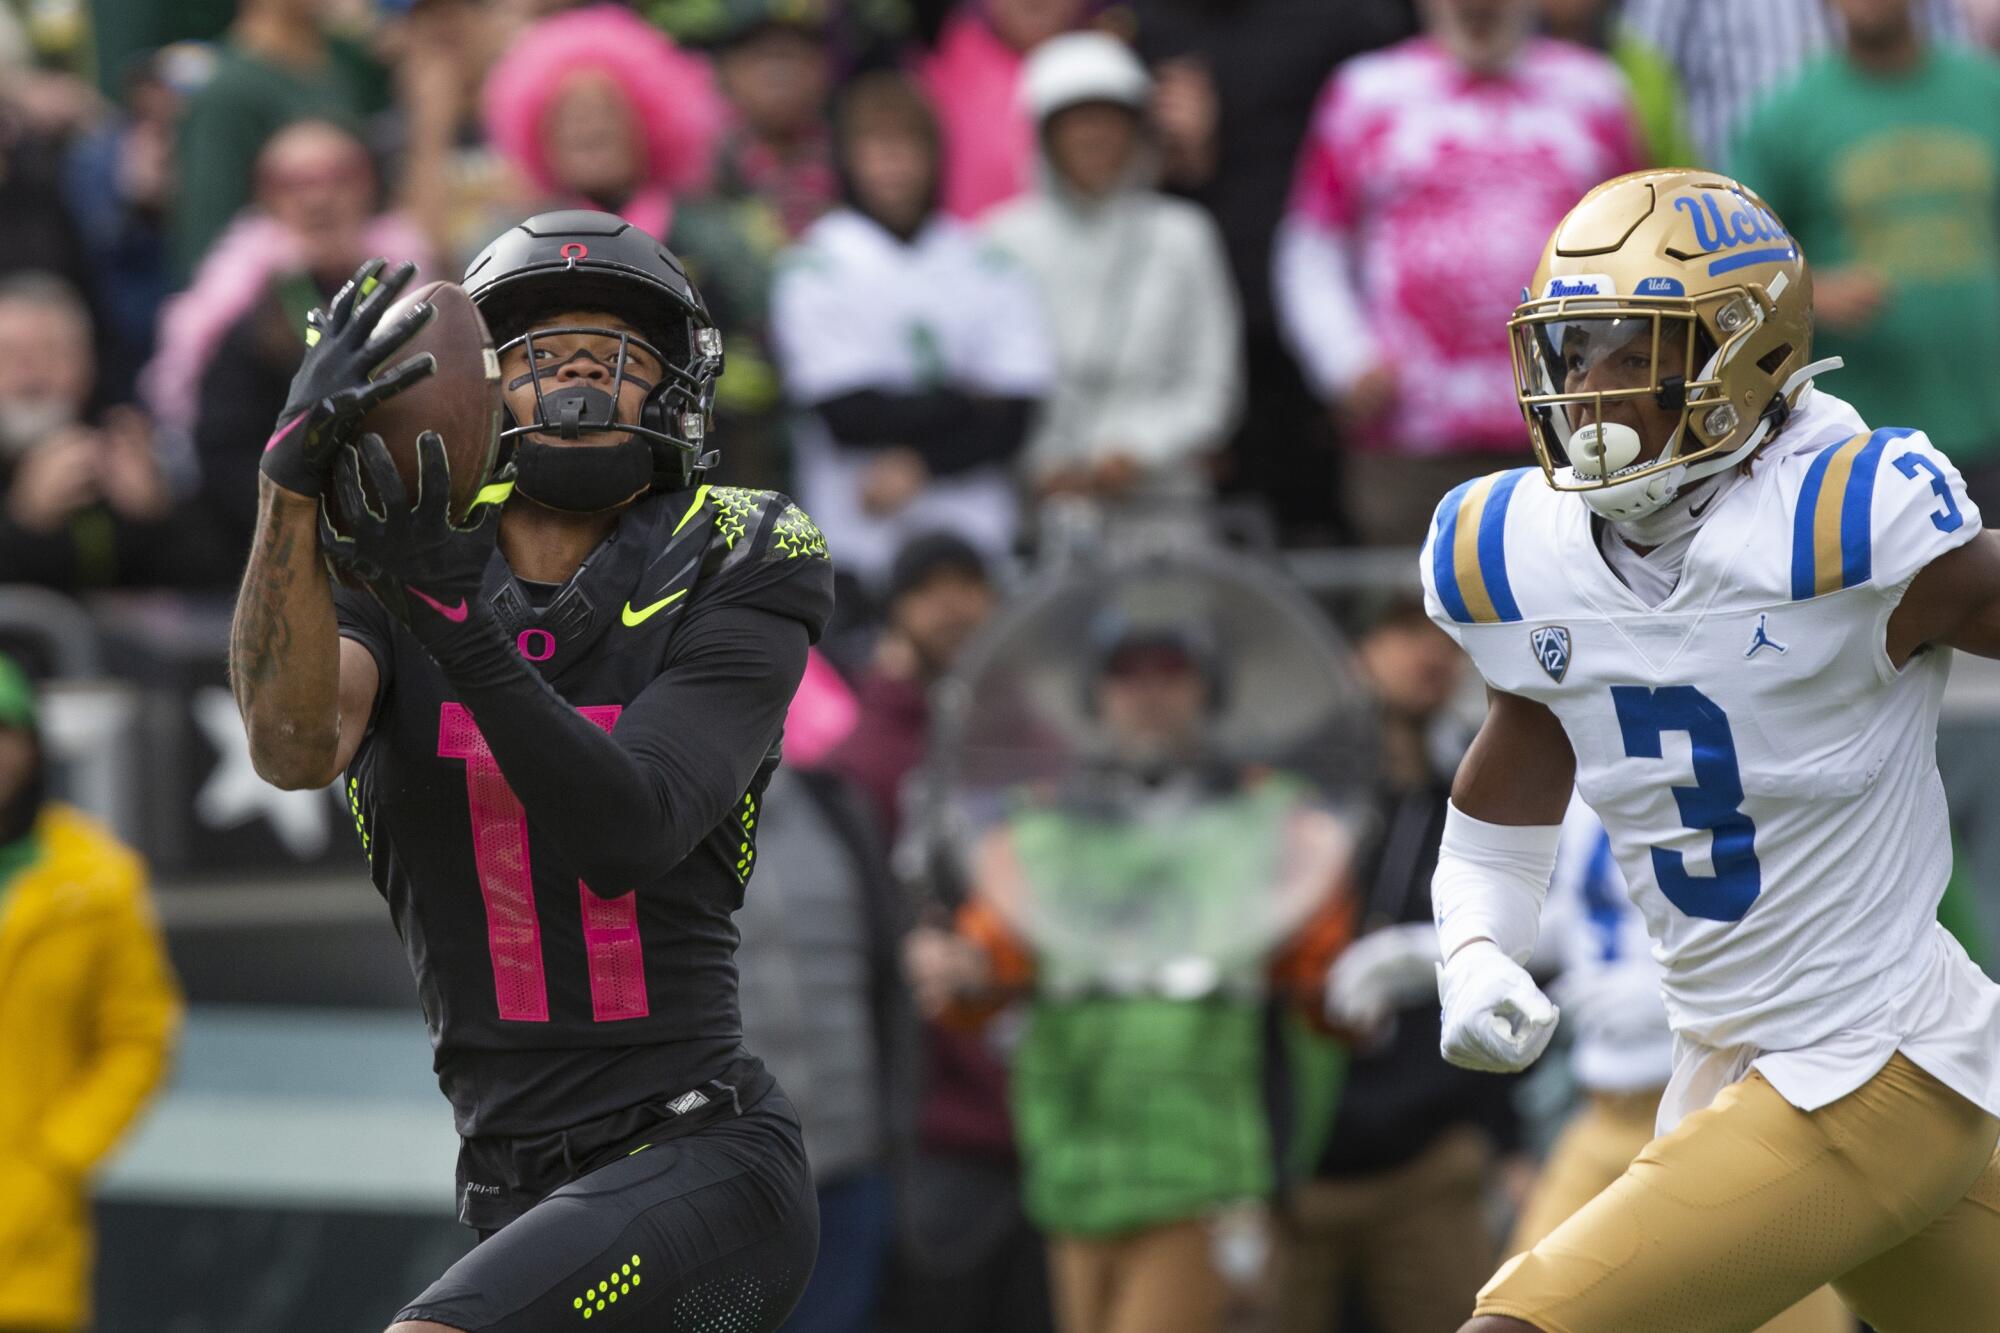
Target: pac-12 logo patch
x=1551 y=645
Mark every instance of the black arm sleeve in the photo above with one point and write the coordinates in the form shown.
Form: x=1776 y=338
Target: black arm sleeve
x=953 y=431
x=625 y=807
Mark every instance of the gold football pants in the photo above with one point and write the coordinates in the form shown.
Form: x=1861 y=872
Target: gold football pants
x=1593 y=1150
x=1891 y=1193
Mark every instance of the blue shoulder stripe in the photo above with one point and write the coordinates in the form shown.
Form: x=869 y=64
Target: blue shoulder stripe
x=1802 y=523
x=1493 y=544
x=1444 y=569
x=1833 y=526
x=1857 y=509
x=1469 y=550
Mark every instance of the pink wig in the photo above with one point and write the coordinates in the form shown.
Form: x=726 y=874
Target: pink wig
x=672 y=93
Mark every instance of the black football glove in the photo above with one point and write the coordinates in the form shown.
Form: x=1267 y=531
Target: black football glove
x=332 y=391
x=423 y=568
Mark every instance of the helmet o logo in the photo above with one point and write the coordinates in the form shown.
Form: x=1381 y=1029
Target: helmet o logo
x=575 y=250
x=544 y=644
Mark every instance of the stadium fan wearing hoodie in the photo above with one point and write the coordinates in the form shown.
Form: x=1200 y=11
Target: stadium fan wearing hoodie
x=918 y=354
x=1136 y=284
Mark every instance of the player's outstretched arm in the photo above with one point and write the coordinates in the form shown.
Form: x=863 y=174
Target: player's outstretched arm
x=627 y=806
x=622 y=808
x=304 y=692
x=1499 y=849
x=289 y=669
x=1953 y=602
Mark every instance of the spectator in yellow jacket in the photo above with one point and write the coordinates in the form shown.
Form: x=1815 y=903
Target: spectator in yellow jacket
x=88 y=1010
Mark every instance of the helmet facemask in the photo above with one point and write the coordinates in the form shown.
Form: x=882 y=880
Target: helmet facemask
x=1672 y=352
x=663 y=449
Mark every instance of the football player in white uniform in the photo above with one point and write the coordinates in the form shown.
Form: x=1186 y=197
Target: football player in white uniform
x=1621 y=1050
x=1723 y=608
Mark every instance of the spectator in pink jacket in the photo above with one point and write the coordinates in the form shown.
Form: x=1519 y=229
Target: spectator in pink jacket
x=972 y=78
x=1432 y=176
x=230 y=343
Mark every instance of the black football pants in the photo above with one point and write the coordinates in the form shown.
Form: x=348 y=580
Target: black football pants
x=716 y=1229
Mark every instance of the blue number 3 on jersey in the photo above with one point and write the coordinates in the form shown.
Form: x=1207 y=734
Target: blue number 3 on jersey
x=1644 y=716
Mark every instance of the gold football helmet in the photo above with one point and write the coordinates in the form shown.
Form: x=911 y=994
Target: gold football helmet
x=1675 y=285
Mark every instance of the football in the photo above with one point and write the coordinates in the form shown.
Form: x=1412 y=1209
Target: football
x=460 y=400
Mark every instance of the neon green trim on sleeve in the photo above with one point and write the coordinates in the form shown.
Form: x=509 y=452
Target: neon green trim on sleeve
x=700 y=495
x=493 y=493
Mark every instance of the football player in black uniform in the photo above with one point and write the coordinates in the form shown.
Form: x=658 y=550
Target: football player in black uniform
x=556 y=718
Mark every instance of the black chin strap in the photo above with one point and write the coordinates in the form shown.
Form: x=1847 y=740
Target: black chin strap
x=583 y=478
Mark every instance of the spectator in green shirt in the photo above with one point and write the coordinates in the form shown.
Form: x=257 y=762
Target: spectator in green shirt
x=1884 y=159
x=275 y=66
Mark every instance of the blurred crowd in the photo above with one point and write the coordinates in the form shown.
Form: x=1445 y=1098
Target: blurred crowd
x=1247 y=262
x=1241 y=266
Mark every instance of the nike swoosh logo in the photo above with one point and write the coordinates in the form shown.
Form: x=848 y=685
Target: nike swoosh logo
x=454 y=614
x=633 y=618
x=287 y=429
x=1697 y=513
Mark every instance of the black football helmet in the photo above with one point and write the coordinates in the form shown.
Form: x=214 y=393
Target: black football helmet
x=576 y=259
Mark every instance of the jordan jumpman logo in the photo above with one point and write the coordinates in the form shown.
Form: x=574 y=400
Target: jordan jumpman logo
x=1761 y=639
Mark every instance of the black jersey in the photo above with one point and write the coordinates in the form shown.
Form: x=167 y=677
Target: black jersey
x=562 y=843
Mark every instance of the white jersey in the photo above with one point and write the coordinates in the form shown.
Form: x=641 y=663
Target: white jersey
x=853 y=307
x=1769 y=779
x=1596 y=935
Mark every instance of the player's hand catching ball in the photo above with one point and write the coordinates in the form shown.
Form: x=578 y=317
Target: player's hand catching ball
x=1496 y=1018
x=422 y=567
x=332 y=390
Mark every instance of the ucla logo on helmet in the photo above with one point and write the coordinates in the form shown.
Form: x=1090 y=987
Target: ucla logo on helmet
x=1660 y=287
x=1744 y=224
x=1551 y=645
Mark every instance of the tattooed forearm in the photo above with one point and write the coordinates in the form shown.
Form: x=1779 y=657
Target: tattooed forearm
x=284 y=648
x=261 y=633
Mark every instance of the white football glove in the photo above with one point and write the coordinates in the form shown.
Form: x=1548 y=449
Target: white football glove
x=1380 y=973
x=1496 y=1019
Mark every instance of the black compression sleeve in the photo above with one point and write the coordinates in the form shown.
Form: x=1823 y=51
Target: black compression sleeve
x=625 y=807
x=952 y=431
